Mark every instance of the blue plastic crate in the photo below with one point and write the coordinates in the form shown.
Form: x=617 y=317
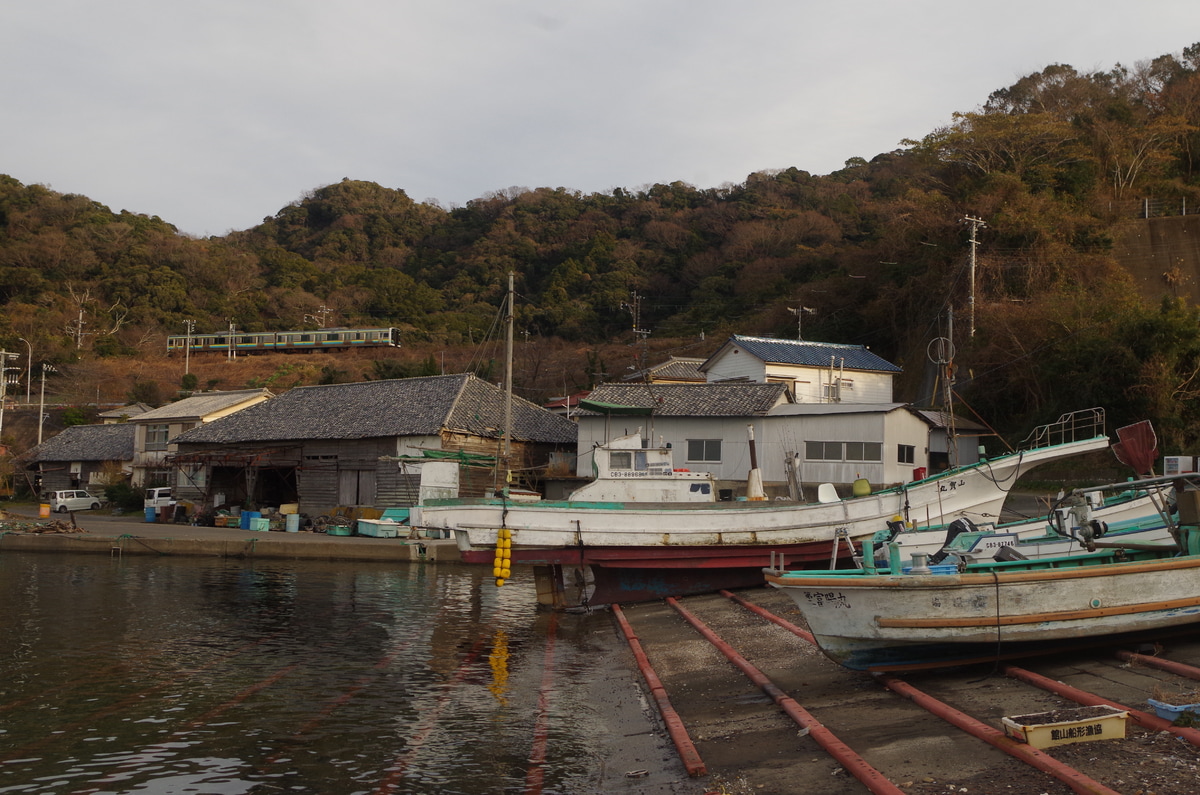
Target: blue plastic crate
x=1172 y=712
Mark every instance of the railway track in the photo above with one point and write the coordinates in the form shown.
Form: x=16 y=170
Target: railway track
x=764 y=711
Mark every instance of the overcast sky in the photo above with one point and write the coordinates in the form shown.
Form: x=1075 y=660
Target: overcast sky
x=213 y=114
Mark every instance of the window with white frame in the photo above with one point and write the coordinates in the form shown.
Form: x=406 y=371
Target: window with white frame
x=906 y=454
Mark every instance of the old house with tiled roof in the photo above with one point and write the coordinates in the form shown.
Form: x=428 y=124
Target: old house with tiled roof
x=353 y=444
x=82 y=456
x=675 y=370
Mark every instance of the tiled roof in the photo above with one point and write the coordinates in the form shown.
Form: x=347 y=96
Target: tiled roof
x=811 y=354
x=937 y=418
x=693 y=400
x=199 y=405
x=401 y=407
x=677 y=368
x=86 y=443
x=132 y=410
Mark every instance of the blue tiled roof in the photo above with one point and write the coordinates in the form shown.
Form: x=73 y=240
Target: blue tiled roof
x=811 y=354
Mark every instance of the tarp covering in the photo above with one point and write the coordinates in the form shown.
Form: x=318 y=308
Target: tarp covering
x=614 y=408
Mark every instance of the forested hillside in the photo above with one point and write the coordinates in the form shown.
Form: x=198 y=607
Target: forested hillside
x=1053 y=165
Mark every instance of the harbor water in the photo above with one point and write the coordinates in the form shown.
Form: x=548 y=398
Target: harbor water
x=148 y=674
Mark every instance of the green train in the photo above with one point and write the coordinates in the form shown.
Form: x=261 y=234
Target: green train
x=326 y=339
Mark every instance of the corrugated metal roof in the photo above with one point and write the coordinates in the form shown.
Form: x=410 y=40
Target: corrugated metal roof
x=112 y=442
x=370 y=409
x=810 y=354
x=199 y=405
x=693 y=400
x=814 y=409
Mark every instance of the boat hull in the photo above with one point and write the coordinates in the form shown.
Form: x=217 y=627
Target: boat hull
x=897 y=622
x=559 y=529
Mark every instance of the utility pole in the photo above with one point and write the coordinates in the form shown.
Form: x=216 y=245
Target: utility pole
x=28 y=368
x=231 y=351
x=635 y=310
x=4 y=368
x=46 y=368
x=190 y=325
x=976 y=225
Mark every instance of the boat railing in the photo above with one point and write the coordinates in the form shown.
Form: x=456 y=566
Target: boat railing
x=1075 y=426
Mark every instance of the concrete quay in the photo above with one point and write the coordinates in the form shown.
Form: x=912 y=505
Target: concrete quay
x=125 y=535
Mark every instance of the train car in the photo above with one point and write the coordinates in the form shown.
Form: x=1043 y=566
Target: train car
x=326 y=339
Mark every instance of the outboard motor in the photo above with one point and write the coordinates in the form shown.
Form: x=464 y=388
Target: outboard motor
x=1007 y=553
x=956 y=528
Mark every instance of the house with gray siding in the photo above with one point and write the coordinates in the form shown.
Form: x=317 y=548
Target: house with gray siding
x=796 y=444
x=705 y=424
x=359 y=445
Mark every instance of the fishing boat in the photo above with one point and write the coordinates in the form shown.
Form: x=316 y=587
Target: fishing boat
x=1136 y=512
x=644 y=529
x=906 y=617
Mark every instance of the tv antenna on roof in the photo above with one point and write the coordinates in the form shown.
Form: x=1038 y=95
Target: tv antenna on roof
x=800 y=312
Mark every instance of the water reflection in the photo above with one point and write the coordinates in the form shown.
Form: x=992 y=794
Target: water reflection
x=171 y=675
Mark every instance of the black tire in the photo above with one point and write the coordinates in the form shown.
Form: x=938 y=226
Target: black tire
x=62 y=509
x=95 y=506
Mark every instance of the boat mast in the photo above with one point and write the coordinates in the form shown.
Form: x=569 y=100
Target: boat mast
x=506 y=450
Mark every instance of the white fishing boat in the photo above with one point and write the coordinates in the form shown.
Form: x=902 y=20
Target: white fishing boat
x=921 y=616
x=643 y=529
x=1136 y=513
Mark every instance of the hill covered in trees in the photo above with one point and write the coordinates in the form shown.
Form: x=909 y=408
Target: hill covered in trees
x=1054 y=164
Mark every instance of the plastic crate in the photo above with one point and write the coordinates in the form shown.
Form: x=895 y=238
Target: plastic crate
x=1065 y=726
x=1172 y=712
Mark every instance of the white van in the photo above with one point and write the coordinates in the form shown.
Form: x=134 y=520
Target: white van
x=73 y=500
x=159 y=497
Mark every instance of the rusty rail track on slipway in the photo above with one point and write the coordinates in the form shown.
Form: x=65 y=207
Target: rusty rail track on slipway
x=750 y=702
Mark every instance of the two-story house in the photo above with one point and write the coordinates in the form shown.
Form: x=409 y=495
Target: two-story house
x=814 y=372
x=155 y=430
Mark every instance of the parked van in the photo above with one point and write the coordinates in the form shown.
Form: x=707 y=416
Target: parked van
x=159 y=497
x=73 y=500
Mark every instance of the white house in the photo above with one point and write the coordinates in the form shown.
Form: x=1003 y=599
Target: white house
x=708 y=427
x=814 y=372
